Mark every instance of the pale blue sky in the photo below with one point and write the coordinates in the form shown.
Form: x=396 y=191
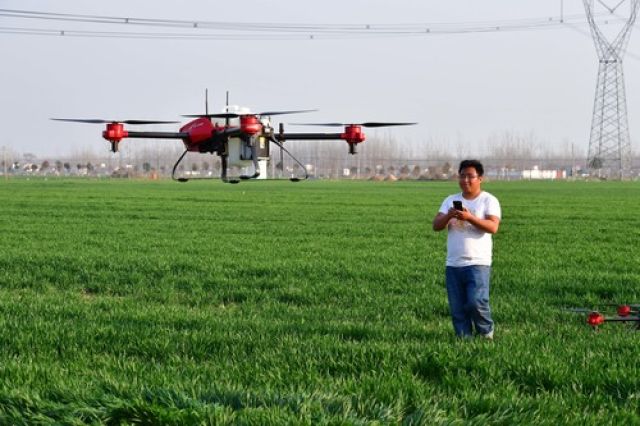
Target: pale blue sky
x=462 y=88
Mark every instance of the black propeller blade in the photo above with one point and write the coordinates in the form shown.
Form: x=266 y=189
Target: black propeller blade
x=101 y=121
x=268 y=113
x=236 y=115
x=367 y=124
x=221 y=115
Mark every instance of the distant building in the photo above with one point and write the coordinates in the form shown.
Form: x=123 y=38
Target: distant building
x=536 y=173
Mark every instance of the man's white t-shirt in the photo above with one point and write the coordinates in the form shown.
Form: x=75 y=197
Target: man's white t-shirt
x=466 y=244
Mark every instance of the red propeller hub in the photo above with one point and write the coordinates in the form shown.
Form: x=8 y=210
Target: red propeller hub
x=353 y=134
x=624 y=310
x=115 y=132
x=595 y=319
x=250 y=125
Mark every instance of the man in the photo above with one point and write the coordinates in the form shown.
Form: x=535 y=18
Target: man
x=470 y=224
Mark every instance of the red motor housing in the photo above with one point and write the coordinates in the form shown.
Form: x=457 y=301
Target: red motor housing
x=595 y=319
x=250 y=125
x=624 y=310
x=353 y=134
x=115 y=132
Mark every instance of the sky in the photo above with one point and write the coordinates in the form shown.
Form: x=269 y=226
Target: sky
x=464 y=88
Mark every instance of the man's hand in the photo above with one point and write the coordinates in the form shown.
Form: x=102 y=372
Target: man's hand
x=489 y=224
x=463 y=214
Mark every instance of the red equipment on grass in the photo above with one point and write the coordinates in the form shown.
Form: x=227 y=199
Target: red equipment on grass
x=625 y=313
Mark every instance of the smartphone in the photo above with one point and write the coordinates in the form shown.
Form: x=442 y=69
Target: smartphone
x=457 y=205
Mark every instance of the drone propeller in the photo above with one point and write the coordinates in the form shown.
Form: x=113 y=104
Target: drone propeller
x=236 y=114
x=367 y=124
x=268 y=113
x=101 y=121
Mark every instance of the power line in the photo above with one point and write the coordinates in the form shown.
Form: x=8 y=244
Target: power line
x=322 y=30
x=254 y=31
x=253 y=26
x=143 y=35
x=336 y=34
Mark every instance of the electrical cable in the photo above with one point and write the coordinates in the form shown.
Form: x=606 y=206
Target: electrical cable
x=277 y=30
x=256 y=26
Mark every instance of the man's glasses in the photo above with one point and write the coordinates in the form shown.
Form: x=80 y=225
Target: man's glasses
x=467 y=177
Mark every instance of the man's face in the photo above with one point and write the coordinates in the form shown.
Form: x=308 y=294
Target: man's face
x=469 y=181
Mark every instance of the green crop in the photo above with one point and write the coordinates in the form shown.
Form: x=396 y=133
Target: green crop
x=125 y=302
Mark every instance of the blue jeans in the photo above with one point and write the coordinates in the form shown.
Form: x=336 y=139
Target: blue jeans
x=468 y=291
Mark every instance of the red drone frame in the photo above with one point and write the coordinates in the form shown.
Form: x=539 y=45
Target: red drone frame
x=242 y=144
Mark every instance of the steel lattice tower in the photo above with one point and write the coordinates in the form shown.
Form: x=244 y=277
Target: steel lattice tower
x=610 y=143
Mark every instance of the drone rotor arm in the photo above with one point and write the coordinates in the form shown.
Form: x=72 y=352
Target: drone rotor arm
x=158 y=135
x=622 y=319
x=281 y=137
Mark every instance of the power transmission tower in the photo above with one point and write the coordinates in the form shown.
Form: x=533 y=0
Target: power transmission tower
x=610 y=142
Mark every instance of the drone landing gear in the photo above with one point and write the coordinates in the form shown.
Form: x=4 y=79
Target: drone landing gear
x=293 y=178
x=225 y=166
x=184 y=179
x=175 y=166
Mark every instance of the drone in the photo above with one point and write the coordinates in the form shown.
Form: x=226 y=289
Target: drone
x=243 y=143
x=625 y=313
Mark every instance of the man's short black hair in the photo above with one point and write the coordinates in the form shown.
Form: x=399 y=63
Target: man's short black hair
x=471 y=163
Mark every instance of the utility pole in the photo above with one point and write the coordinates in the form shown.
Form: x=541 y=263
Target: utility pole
x=610 y=141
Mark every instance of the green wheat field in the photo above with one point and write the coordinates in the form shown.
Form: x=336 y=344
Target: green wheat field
x=139 y=302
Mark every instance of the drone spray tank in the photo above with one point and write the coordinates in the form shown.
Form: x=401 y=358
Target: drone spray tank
x=242 y=150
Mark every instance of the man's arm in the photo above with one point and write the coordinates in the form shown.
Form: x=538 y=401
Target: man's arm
x=442 y=219
x=489 y=224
